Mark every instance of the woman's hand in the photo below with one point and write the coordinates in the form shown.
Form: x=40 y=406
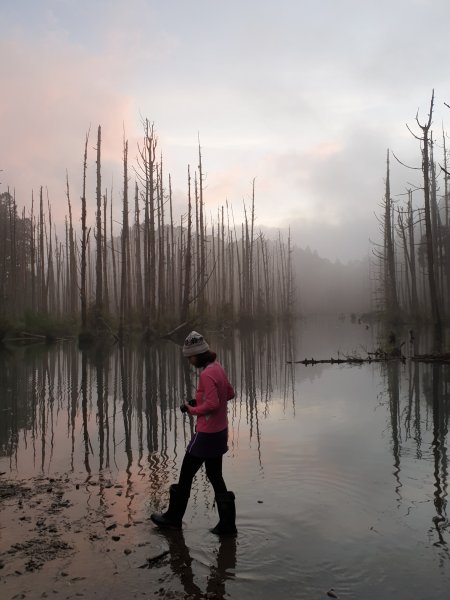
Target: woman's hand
x=185 y=407
x=187 y=404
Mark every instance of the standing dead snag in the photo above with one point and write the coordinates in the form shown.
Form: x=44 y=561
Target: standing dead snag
x=446 y=228
x=42 y=286
x=124 y=282
x=147 y=167
x=72 y=279
x=160 y=276
x=392 y=305
x=161 y=240
x=428 y=223
x=113 y=258
x=202 y=279
x=412 y=258
x=98 y=235
x=137 y=238
x=172 y=257
x=84 y=240
x=105 y=257
x=188 y=258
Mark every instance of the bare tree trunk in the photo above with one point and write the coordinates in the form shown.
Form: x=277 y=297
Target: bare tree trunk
x=172 y=260
x=390 y=280
x=202 y=225
x=72 y=273
x=446 y=236
x=408 y=292
x=42 y=286
x=252 y=227
x=33 y=254
x=412 y=259
x=435 y=309
x=188 y=258
x=231 y=269
x=197 y=291
x=436 y=228
x=152 y=234
x=50 y=285
x=105 y=256
x=223 y=291
x=445 y=181
x=84 y=241
x=98 y=235
x=13 y=255
x=161 y=244
x=180 y=263
x=137 y=233
x=113 y=261
x=124 y=305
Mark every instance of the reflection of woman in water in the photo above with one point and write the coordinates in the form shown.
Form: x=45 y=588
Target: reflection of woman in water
x=220 y=573
x=209 y=443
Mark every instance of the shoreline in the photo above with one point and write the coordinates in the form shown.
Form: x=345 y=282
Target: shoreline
x=65 y=538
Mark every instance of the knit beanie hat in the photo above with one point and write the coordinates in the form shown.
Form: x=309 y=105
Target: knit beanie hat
x=195 y=344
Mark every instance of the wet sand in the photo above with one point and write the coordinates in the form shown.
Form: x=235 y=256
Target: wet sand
x=62 y=538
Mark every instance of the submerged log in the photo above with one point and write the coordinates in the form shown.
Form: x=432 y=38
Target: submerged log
x=355 y=360
x=443 y=358
x=180 y=332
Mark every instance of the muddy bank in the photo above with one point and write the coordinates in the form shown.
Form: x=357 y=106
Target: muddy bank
x=62 y=538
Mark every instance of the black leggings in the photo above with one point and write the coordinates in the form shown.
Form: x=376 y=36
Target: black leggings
x=191 y=464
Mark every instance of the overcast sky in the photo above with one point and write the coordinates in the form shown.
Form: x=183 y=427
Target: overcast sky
x=305 y=96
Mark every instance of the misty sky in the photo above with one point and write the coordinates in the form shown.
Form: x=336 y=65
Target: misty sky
x=304 y=96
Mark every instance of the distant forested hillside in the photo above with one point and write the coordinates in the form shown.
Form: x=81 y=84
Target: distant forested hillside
x=326 y=287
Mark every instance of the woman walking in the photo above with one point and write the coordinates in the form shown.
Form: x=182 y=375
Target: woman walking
x=209 y=443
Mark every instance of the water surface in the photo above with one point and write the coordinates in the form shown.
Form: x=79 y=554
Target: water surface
x=340 y=473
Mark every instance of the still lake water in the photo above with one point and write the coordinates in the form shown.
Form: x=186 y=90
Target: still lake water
x=340 y=472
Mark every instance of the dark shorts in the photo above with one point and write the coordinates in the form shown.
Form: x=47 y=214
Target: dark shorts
x=208 y=445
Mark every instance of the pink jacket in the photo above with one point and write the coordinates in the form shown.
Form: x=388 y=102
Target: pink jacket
x=213 y=392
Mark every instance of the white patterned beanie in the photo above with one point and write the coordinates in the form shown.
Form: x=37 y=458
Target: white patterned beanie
x=195 y=344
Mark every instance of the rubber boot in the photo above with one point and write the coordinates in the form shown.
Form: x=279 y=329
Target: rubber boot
x=227 y=514
x=174 y=514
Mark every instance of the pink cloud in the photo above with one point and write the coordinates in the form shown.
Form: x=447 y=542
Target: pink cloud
x=53 y=93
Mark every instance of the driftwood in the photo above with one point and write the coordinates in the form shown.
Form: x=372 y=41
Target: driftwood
x=432 y=358
x=376 y=358
x=351 y=360
x=33 y=335
x=180 y=332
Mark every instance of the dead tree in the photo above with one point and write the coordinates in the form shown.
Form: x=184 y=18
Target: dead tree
x=105 y=256
x=392 y=305
x=84 y=241
x=137 y=243
x=72 y=283
x=124 y=282
x=425 y=140
x=42 y=286
x=98 y=235
x=187 y=259
x=412 y=258
x=113 y=259
x=161 y=238
x=202 y=225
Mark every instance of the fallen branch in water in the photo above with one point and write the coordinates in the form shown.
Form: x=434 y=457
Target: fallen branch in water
x=376 y=358
x=349 y=360
x=33 y=335
x=432 y=358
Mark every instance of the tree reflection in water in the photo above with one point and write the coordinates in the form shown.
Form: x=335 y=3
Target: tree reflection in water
x=427 y=391
x=111 y=416
x=61 y=387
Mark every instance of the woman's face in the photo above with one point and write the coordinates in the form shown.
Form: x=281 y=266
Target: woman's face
x=193 y=360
